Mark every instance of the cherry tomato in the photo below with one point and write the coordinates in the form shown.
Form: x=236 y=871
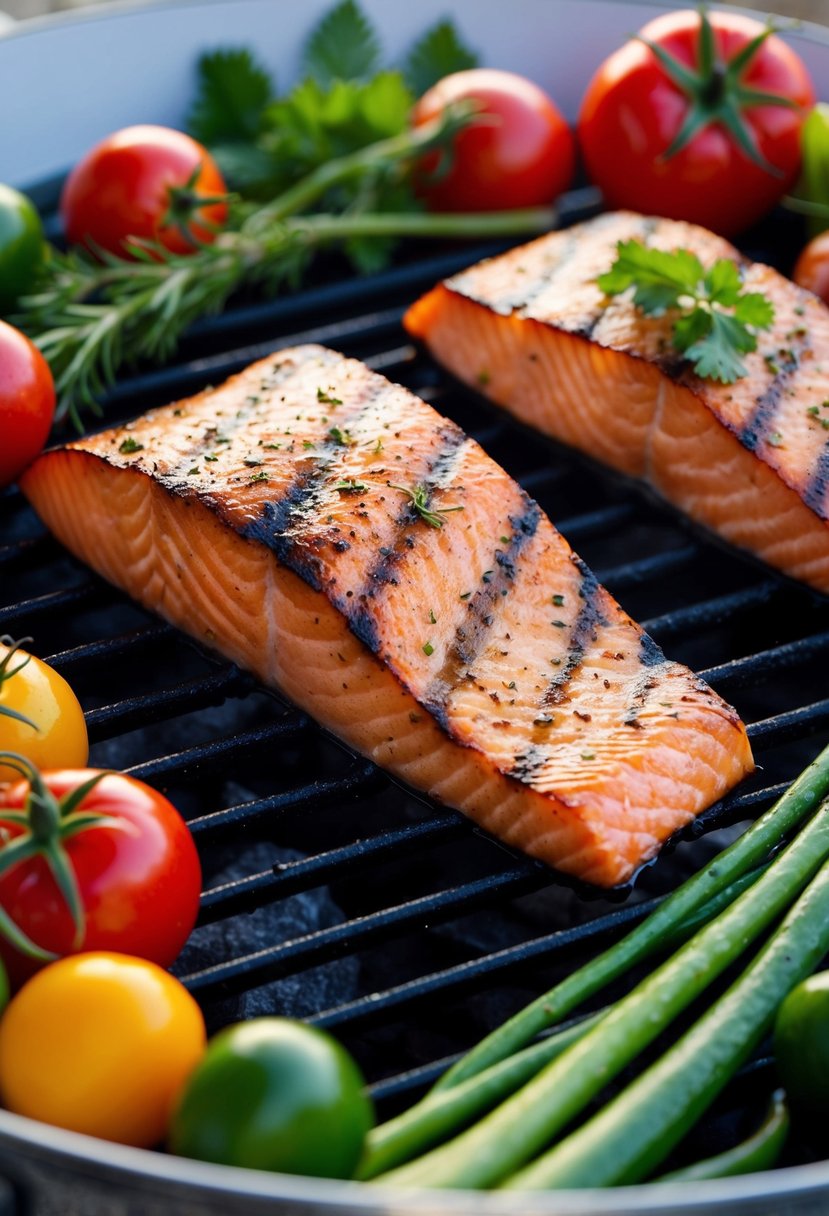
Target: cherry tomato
x=272 y=1094
x=54 y=733
x=520 y=154
x=27 y=402
x=686 y=139
x=102 y=1044
x=144 y=182
x=801 y=1043
x=21 y=246
x=812 y=269
x=136 y=870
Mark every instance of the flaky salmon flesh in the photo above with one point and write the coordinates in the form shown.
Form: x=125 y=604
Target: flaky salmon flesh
x=749 y=461
x=328 y=531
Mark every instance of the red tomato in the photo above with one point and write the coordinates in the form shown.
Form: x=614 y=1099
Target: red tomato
x=520 y=155
x=137 y=874
x=706 y=151
x=27 y=402
x=143 y=182
x=812 y=269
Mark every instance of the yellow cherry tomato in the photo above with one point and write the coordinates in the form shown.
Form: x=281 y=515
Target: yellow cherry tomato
x=100 y=1043
x=54 y=733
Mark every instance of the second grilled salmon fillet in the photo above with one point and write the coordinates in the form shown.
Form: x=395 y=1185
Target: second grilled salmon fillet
x=750 y=461
x=331 y=533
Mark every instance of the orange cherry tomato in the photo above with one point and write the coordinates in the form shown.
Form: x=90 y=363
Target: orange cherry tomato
x=102 y=1044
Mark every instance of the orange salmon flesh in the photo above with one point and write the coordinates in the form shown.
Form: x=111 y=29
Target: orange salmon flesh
x=331 y=533
x=749 y=461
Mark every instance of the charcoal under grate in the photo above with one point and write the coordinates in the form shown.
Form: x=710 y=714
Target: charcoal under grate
x=332 y=892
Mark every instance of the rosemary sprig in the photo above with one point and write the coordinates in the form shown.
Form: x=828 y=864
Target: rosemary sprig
x=92 y=314
x=419 y=497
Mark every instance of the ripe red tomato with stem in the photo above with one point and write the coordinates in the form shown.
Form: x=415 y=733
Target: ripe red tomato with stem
x=148 y=183
x=91 y=861
x=698 y=118
x=27 y=402
x=517 y=152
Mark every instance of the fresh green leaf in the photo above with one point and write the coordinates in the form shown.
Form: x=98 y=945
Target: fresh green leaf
x=248 y=168
x=691 y=328
x=715 y=357
x=723 y=282
x=711 y=337
x=659 y=278
x=436 y=54
x=233 y=90
x=344 y=46
x=752 y=308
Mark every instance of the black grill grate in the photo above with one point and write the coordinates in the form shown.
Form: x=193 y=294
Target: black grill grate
x=415 y=976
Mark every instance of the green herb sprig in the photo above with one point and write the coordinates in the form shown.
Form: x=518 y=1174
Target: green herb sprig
x=333 y=158
x=419 y=498
x=91 y=316
x=716 y=320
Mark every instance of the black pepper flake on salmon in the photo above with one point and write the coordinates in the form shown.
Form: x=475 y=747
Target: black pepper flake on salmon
x=319 y=579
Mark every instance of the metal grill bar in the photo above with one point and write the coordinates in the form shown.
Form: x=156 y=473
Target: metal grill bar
x=291 y=957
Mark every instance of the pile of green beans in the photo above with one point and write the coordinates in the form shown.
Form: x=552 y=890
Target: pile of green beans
x=538 y=1092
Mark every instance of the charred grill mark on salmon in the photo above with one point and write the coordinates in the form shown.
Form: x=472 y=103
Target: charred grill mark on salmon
x=273 y=568
x=582 y=635
x=759 y=425
x=746 y=460
x=482 y=613
x=815 y=494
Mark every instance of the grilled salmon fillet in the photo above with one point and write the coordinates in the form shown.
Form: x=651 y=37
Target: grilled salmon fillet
x=749 y=461
x=331 y=533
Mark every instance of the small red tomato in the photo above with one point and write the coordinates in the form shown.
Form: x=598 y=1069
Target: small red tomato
x=129 y=856
x=144 y=182
x=691 y=121
x=520 y=153
x=812 y=268
x=27 y=402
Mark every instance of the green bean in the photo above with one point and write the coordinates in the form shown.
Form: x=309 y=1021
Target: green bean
x=759 y=1152
x=437 y=1116
x=634 y=1133
x=525 y=1123
x=749 y=851
x=442 y=1113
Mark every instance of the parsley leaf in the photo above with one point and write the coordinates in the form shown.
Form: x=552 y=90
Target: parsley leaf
x=233 y=89
x=436 y=54
x=344 y=46
x=710 y=336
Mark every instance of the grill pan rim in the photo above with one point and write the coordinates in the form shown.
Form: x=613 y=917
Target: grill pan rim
x=144 y=1169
